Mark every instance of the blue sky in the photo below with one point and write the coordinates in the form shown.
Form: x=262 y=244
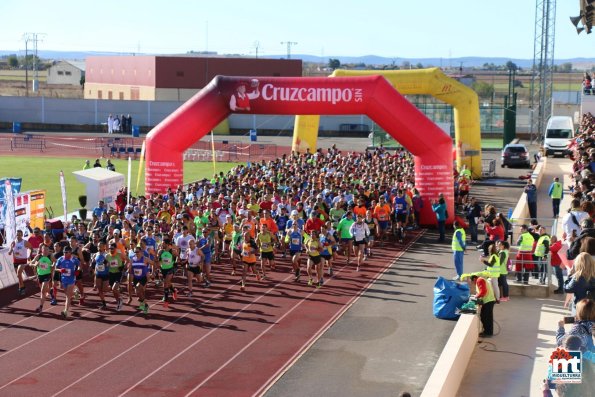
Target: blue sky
x=397 y=28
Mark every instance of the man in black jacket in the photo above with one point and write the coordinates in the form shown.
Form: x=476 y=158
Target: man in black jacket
x=587 y=230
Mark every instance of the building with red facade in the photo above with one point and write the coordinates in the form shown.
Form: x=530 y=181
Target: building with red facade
x=172 y=78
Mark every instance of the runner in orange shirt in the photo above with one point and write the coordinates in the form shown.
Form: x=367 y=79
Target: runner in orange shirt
x=382 y=213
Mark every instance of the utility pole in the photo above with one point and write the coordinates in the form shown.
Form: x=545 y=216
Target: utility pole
x=289 y=45
x=34 y=38
x=256 y=47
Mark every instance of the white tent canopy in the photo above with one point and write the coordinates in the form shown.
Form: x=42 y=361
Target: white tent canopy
x=101 y=184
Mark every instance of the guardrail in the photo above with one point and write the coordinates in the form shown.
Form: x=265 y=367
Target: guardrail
x=28 y=142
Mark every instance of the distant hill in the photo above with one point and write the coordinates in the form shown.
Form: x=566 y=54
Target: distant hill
x=466 y=62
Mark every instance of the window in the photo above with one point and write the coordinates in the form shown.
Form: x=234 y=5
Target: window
x=60 y=73
x=109 y=95
x=68 y=73
x=121 y=96
x=100 y=94
x=180 y=74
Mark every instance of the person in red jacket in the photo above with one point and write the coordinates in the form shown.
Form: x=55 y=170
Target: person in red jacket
x=485 y=296
x=556 y=261
x=494 y=233
x=313 y=223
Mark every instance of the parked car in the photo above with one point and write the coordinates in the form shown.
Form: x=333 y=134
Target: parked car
x=515 y=155
x=558 y=135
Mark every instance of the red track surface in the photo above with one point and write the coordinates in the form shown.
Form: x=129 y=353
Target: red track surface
x=220 y=342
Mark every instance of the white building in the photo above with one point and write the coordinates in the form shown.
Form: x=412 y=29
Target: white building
x=66 y=72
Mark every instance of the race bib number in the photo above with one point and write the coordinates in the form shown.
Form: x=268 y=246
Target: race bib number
x=295 y=241
x=67 y=272
x=399 y=206
x=138 y=272
x=100 y=268
x=114 y=264
x=266 y=246
x=44 y=266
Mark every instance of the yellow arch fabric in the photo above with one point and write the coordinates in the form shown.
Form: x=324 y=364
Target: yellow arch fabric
x=417 y=82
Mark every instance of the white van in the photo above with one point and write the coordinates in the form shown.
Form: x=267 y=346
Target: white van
x=558 y=134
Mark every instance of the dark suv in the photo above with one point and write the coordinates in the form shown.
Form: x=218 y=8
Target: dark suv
x=515 y=155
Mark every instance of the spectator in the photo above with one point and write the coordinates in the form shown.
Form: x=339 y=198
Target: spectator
x=110 y=124
x=439 y=208
x=556 y=262
x=582 y=326
x=97 y=164
x=581 y=278
x=473 y=213
x=572 y=220
x=531 y=192
x=587 y=230
x=110 y=166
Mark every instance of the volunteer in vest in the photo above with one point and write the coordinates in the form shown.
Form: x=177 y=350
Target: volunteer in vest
x=360 y=232
x=458 y=248
x=524 y=257
x=193 y=268
x=504 y=254
x=18 y=250
x=240 y=100
x=66 y=266
x=492 y=264
x=99 y=263
x=166 y=257
x=248 y=254
x=542 y=248
x=139 y=268
x=44 y=266
x=556 y=193
x=486 y=299
x=115 y=262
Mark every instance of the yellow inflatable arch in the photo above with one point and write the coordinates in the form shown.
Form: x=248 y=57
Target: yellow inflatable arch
x=417 y=82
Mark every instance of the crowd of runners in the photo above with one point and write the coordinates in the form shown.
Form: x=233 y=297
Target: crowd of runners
x=314 y=209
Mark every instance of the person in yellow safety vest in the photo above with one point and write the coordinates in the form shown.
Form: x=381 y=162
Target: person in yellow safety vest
x=503 y=254
x=556 y=192
x=541 y=250
x=492 y=263
x=524 y=257
x=458 y=248
x=485 y=297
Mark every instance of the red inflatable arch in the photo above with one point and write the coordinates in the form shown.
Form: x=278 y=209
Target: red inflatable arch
x=370 y=95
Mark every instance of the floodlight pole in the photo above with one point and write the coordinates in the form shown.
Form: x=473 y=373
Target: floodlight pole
x=289 y=45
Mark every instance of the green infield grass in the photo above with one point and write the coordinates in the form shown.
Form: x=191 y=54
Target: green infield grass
x=43 y=173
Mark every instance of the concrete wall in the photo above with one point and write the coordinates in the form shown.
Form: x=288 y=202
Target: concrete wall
x=119 y=92
x=144 y=113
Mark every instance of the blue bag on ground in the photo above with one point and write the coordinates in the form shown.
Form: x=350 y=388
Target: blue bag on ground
x=448 y=297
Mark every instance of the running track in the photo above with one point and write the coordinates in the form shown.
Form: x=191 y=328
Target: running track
x=220 y=342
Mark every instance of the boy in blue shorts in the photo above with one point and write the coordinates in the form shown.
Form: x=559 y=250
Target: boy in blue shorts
x=204 y=244
x=67 y=266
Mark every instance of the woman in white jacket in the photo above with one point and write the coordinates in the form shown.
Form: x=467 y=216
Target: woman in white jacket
x=360 y=232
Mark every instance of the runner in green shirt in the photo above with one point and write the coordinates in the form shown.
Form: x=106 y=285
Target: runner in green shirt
x=345 y=234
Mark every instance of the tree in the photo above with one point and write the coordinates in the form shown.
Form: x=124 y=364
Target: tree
x=419 y=66
x=334 y=63
x=511 y=66
x=13 y=62
x=483 y=89
x=406 y=65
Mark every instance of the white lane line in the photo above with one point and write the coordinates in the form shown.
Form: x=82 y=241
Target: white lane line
x=203 y=337
x=300 y=352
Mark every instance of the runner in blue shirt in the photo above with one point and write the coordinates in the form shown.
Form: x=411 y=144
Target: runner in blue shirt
x=67 y=266
x=139 y=268
x=401 y=211
x=296 y=243
x=204 y=244
x=101 y=273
